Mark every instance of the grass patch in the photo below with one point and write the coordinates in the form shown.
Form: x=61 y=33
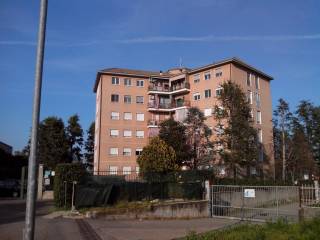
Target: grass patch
x=280 y=230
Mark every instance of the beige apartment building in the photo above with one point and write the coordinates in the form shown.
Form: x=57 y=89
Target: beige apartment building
x=130 y=104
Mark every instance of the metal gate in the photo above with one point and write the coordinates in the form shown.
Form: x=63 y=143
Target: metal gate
x=256 y=203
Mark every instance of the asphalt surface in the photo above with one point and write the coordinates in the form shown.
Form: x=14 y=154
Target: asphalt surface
x=12 y=216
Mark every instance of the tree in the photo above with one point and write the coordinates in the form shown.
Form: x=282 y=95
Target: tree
x=75 y=138
x=300 y=158
x=157 y=156
x=283 y=118
x=89 y=145
x=53 y=142
x=198 y=137
x=235 y=132
x=174 y=134
x=309 y=118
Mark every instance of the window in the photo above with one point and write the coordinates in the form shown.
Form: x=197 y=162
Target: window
x=127 y=116
x=260 y=135
x=113 y=170
x=114 y=133
x=126 y=151
x=219 y=91
x=248 y=79
x=218 y=72
x=139 y=99
x=258 y=102
x=207 y=93
x=249 y=97
x=251 y=114
x=127 y=82
x=257 y=81
x=261 y=154
x=127 y=99
x=196 y=78
x=126 y=170
x=114 y=97
x=140 y=134
x=207 y=112
x=137 y=170
x=127 y=133
x=114 y=151
x=207 y=76
x=258 y=117
x=196 y=96
x=138 y=151
x=140 y=117
x=115 y=81
x=140 y=83
x=115 y=115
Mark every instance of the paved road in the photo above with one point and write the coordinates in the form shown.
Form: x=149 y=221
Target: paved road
x=12 y=222
x=154 y=229
x=12 y=216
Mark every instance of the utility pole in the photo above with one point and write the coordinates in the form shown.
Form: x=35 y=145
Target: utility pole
x=28 y=233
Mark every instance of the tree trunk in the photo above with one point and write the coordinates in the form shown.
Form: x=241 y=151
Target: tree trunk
x=283 y=156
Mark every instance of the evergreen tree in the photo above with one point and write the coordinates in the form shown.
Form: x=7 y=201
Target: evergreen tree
x=157 y=156
x=309 y=117
x=53 y=143
x=75 y=138
x=283 y=118
x=89 y=145
x=198 y=138
x=174 y=134
x=235 y=132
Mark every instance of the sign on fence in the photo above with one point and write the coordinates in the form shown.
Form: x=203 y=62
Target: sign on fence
x=249 y=193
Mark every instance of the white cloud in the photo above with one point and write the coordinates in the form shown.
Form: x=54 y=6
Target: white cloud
x=23 y=43
x=211 y=38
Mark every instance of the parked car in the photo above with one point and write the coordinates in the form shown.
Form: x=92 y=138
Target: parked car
x=9 y=188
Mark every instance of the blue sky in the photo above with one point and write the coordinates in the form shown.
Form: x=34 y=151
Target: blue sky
x=281 y=38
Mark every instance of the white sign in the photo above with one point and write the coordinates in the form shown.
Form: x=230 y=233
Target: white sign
x=249 y=193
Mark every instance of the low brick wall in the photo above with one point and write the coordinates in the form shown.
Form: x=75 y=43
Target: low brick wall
x=173 y=210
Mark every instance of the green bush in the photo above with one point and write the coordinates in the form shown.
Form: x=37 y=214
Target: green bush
x=65 y=174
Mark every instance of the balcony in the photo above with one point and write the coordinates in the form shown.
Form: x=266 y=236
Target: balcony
x=153 y=123
x=176 y=88
x=167 y=107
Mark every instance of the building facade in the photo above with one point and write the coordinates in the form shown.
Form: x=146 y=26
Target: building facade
x=130 y=104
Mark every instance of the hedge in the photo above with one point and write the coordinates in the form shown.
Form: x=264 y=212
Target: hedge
x=65 y=174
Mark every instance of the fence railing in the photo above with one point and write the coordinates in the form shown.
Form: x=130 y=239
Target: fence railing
x=262 y=203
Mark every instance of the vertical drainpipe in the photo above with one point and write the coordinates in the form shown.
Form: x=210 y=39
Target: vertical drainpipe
x=100 y=125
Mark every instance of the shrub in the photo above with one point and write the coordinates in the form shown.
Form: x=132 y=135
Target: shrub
x=65 y=174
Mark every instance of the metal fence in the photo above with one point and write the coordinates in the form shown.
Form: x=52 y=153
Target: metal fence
x=310 y=200
x=262 y=203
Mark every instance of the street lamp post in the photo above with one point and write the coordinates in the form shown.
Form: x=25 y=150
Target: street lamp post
x=28 y=233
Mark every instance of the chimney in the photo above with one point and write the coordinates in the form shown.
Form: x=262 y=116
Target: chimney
x=160 y=73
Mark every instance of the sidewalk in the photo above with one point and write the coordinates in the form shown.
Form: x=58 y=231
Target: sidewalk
x=154 y=229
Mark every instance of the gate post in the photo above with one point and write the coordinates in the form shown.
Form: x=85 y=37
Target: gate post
x=40 y=181
x=207 y=196
x=301 y=213
x=242 y=205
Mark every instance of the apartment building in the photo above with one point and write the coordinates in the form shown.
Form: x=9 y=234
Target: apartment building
x=130 y=104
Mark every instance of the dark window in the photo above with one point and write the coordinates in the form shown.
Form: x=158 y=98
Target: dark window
x=114 y=98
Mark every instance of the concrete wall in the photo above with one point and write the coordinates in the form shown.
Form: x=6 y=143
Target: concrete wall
x=189 y=209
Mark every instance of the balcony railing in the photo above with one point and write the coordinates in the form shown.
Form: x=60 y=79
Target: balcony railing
x=183 y=85
x=152 y=122
x=175 y=87
x=175 y=104
x=159 y=88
